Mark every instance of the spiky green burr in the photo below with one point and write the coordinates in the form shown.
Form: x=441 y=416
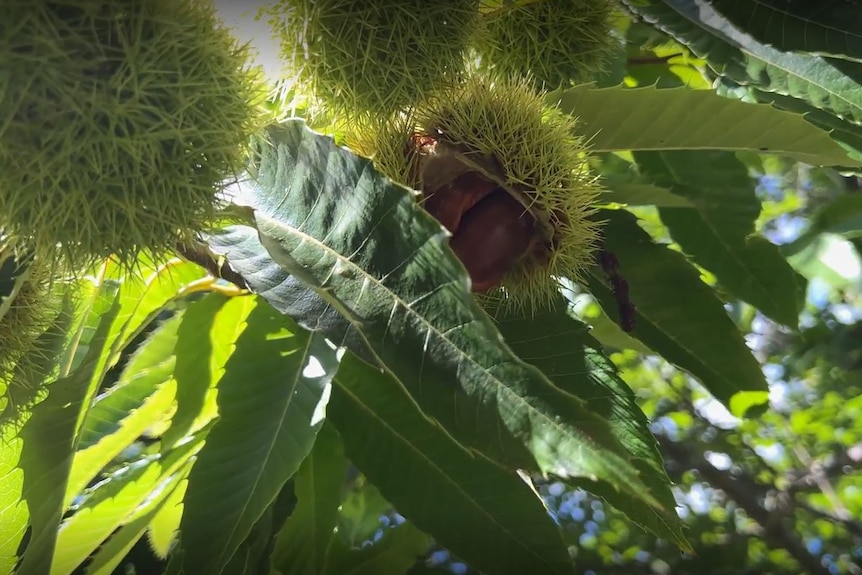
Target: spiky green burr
x=28 y=305
x=556 y=42
x=364 y=58
x=504 y=132
x=119 y=121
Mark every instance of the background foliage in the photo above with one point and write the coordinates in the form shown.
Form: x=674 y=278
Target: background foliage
x=337 y=402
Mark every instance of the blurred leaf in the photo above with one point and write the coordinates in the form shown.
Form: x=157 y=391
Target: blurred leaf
x=502 y=525
x=359 y=260
x=842 y=216
x=360 y=512
x=302 y=546
x=560 y=346
x=720 y=235
x=827 y=257
x=826 y=84
x=394 y=554
x=49 y=439
x=677 y=315
x=825 y=27
x=653 y=119
x=271 y=401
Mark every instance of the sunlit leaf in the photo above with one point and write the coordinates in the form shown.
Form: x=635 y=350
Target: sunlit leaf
x=271 y=401
x=205 y=339
x=114 y=502
x=49 y=439
x=677 y=315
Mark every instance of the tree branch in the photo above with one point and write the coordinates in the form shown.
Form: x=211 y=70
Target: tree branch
x=746 y=492
x=200 y=255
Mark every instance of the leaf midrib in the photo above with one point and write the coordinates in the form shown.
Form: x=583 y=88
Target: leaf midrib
x=584 y=444
x=270 y=448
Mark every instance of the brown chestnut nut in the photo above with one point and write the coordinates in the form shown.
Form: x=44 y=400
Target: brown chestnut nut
x=492 y=236
x=449 y=203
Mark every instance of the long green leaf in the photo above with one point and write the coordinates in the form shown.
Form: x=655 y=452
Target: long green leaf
x=142 y=393
x=825 y=27
x=112 y=553
x=825 y=84
x=653 y=119
x=147 y=293
x=163 y=527
x=14 y=514
x=271 y=402
x=560 y=346
x=113 y=503
x=302 y=545
x=49 y=440
x=485 y=514
x=720 y=235
x=678 y=315
x=357 y=258
x=205 y=340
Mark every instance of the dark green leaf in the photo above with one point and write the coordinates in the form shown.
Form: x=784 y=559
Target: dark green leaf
x=678 y=315
x=842 y=216
x=830 y=85
x=720 y=234
x=501 y=525
x=271 y=402
x=302 y=546
x=825 y=27
x=560 y=346
x=651 y=119
x=358 y=259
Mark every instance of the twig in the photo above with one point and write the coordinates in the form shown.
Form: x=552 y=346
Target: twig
x=746 y=493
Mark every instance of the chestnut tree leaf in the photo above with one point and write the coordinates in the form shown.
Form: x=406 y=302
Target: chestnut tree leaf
x=827 y=84
x=563 y=349
x=272 y=399
x=720 y=235
x=678 y=315
x=344 y=250
x=826 y=27
x=502 y=525
x=651 y=119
